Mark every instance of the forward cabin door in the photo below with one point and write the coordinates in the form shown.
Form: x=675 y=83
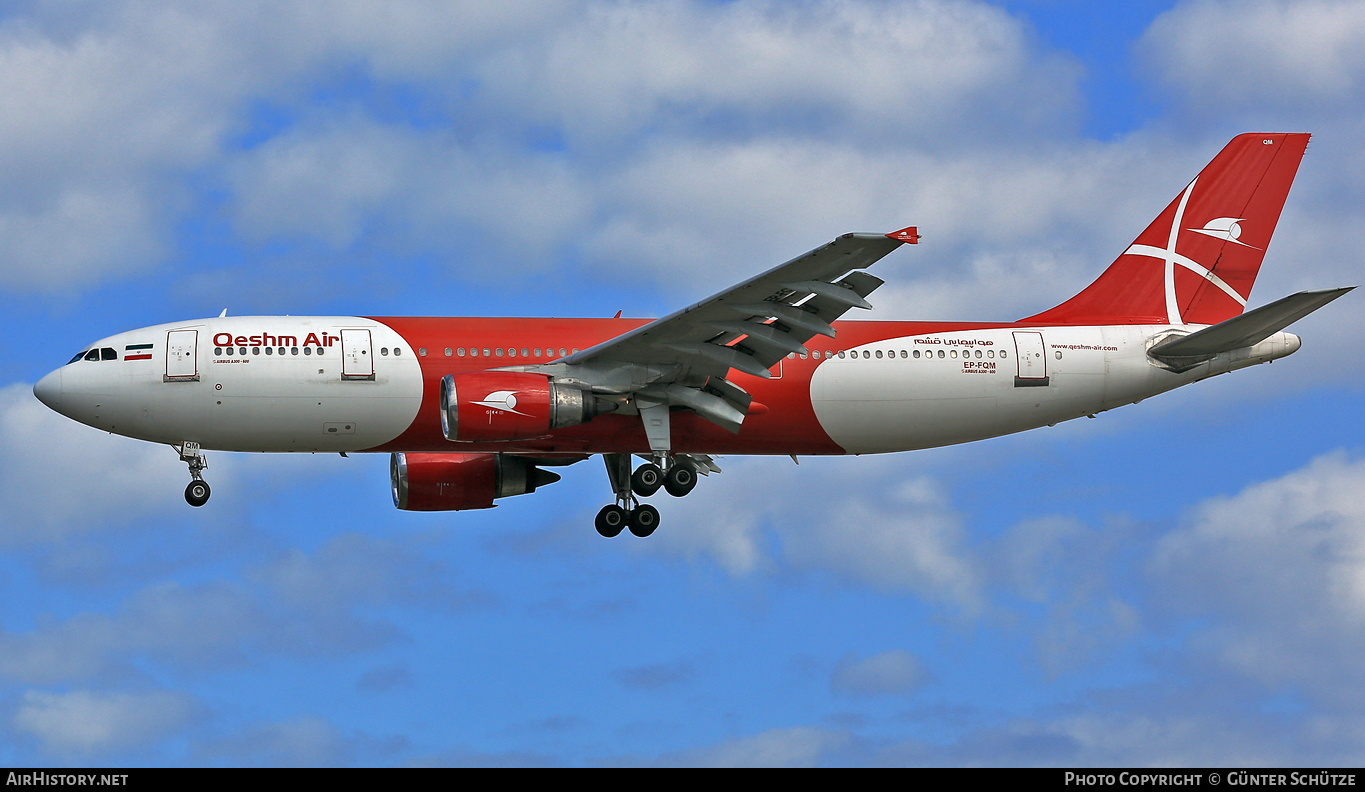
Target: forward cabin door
x=182 y=364
x=1029 y=354
x=357 y=358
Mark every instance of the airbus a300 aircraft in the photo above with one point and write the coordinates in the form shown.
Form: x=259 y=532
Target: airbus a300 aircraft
x=475 y=409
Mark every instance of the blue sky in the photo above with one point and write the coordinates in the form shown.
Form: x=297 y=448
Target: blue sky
x=1178 y=582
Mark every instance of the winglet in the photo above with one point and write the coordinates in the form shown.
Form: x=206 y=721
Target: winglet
x=908 y=234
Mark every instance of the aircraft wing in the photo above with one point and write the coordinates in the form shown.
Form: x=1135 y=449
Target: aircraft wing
x=684 y=358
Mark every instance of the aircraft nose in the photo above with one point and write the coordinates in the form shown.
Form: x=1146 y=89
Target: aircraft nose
x=49 y=390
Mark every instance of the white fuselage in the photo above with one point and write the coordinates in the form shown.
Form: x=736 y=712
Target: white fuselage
x=344 y=384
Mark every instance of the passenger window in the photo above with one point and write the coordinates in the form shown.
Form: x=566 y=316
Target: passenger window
x=990 y=353
x=1059 y=354
x=255 y=350
x=306 y=350
x=459 y=352
x=537 y=351
x=397 y=351
x=421 y=351
x=525 y=353
x=293 y=350
x=486 y=352
x=270 y=350
x=867 y=355
x=791 y=356
x=217 y=351
x=942 y=354
x=978 y=353
x=879 y=354
x=384 y=351
x=563 y=352
x=320 y=350
x=917 y=353
x=449 y=351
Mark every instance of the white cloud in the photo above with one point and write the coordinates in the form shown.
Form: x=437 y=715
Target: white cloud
x=59 y=479
x=894 y=673
x=1285 y=54
x=333 y=601
x=110 y=112
x=353 y=571
x=912 y=540
x=868 y=522
x=189 y=627
x=1282 y=567
x=300 y=742
x=843 y=68
x=797 y=746
x=1066 y=572
x=348 y=180
x=82 y=723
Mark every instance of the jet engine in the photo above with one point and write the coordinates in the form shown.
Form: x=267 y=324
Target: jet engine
x=491 y=406
x=450 y=482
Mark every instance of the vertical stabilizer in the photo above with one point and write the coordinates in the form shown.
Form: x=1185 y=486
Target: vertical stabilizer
x=1197 y=261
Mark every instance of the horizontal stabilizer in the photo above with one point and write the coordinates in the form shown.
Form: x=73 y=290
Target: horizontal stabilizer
x=1247 y=329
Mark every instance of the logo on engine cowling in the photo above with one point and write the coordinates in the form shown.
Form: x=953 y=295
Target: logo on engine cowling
x=501 y=400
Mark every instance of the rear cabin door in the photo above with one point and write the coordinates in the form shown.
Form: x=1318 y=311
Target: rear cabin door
x=182 y=364
x=357 y=358
x=1028 y=348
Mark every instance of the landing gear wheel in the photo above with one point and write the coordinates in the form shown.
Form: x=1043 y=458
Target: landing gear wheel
x=646 y=479
x=681 y=479
x=643 y=520
x=197 y=493
x=611 y=520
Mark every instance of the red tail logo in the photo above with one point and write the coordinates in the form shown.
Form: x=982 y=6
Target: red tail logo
x=1197 y=261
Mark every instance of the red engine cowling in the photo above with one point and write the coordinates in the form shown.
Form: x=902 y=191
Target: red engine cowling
x=492 y=406
x=450 y=482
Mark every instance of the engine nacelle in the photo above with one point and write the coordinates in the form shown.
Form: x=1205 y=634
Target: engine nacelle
x=450 y=482
x=492 y=406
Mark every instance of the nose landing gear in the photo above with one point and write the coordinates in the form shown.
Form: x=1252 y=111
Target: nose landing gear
x=197 y=493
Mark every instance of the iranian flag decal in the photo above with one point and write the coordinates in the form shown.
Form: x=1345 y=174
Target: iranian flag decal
x=137 y=352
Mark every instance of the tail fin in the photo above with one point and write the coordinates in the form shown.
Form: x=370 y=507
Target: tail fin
x=1197 y=261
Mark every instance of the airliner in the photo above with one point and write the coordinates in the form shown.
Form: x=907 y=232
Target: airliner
x=476 y=409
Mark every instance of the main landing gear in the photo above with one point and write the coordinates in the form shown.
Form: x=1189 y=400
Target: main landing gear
x=679 y=478
x=197 y=493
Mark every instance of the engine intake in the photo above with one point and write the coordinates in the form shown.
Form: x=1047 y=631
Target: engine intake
x=451 y=482
x=484 y=406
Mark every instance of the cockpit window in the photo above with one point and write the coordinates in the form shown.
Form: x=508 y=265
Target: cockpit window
x=93 y=354
x=78 y=356
x=108 y=353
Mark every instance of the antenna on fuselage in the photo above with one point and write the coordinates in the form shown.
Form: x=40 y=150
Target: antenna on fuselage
x=224 y=313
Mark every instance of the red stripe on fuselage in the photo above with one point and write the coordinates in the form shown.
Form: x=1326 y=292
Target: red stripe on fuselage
x=788 y=427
